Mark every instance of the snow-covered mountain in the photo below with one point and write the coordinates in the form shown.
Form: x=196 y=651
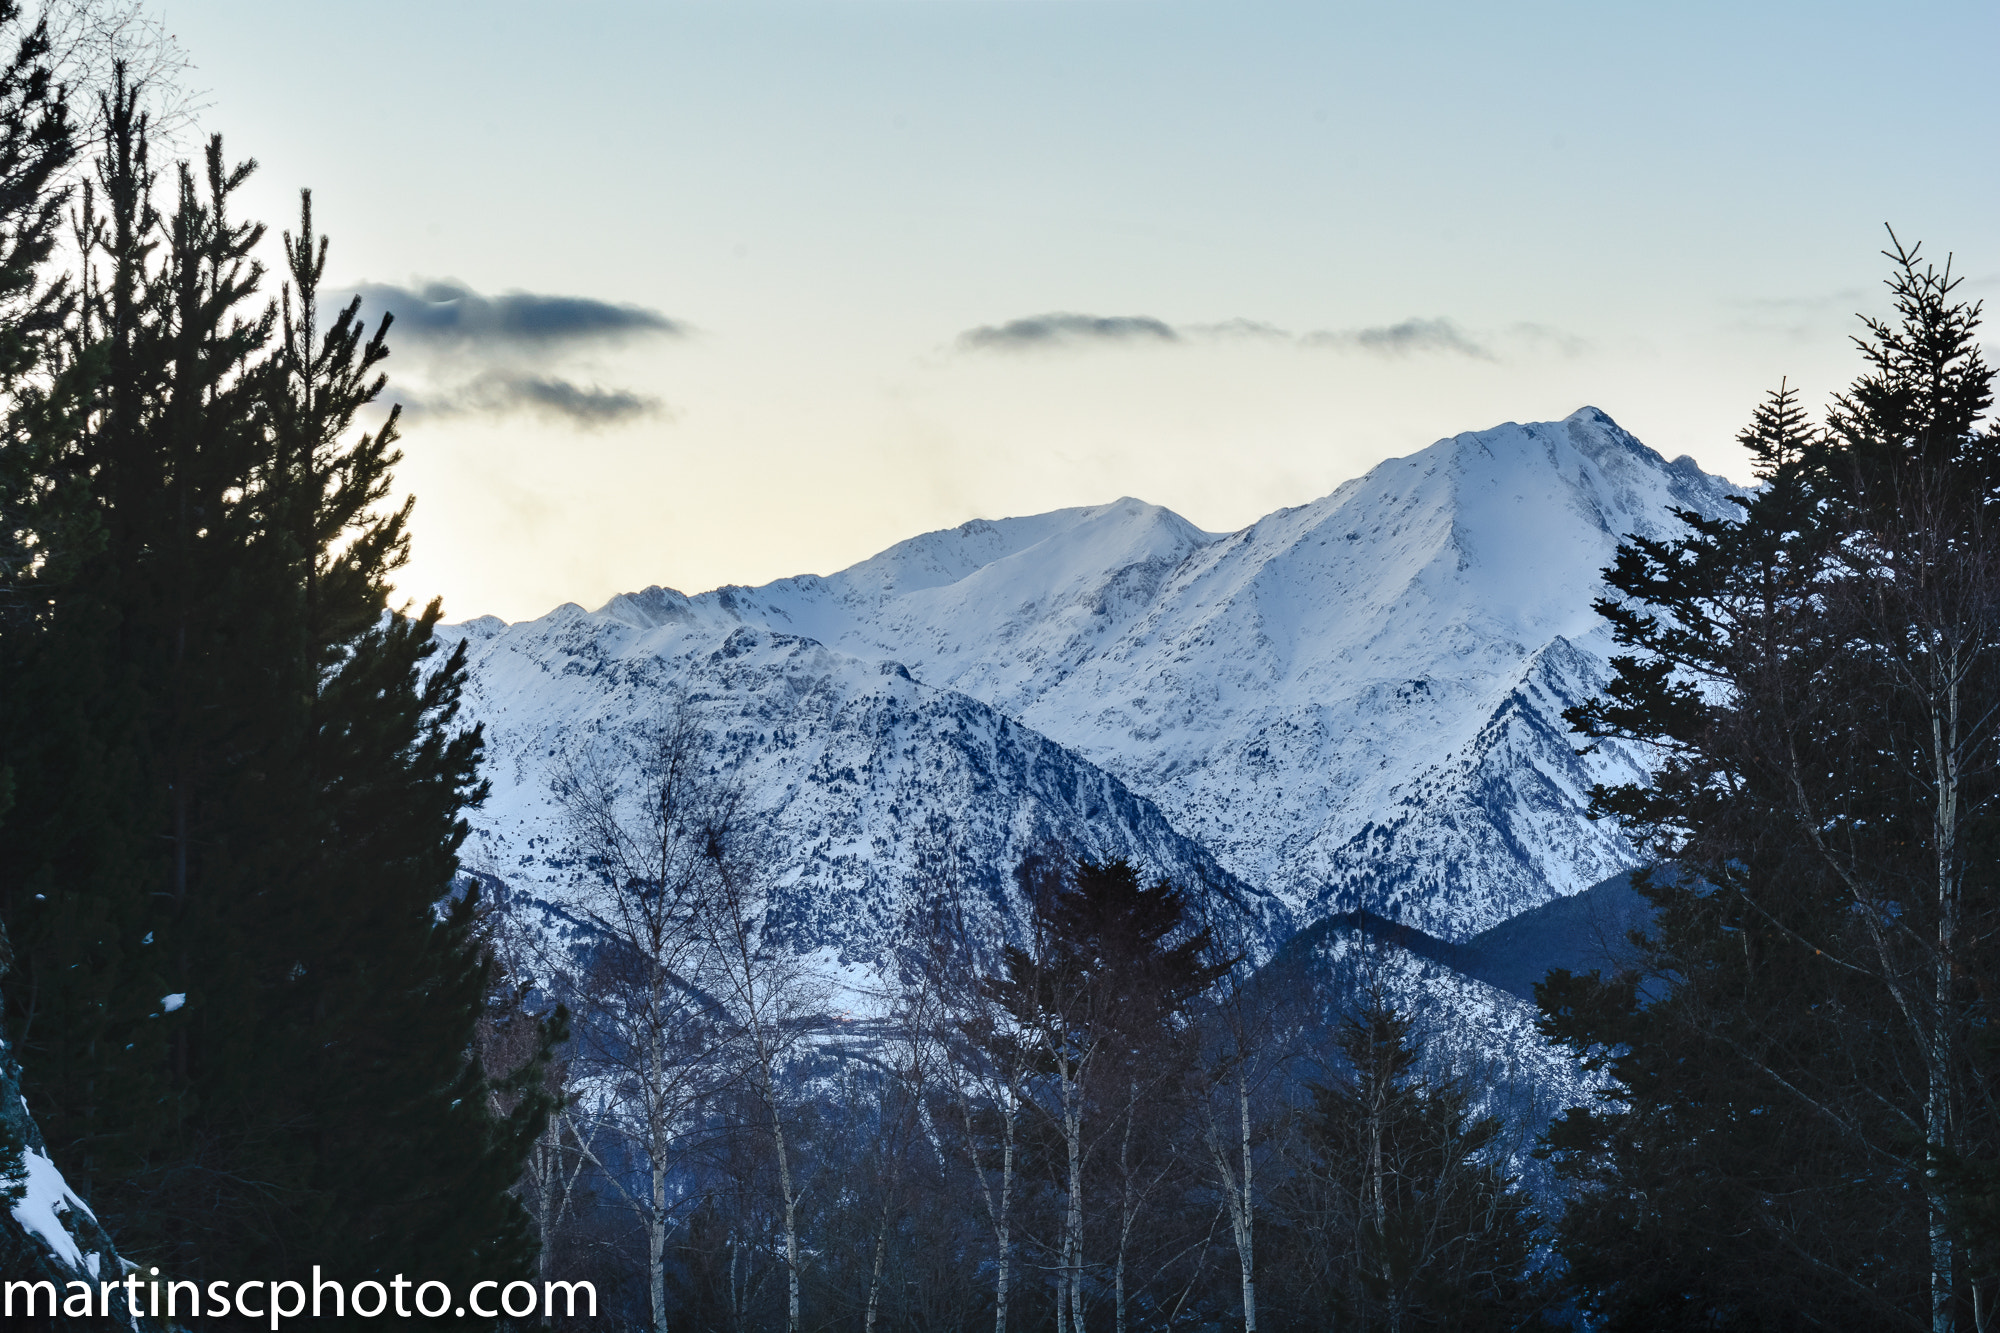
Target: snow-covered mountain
x=858 y=774
x=1355 y=703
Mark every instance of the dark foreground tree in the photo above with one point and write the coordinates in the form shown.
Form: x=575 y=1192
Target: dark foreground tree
x=1094 y=1003
x=45 y=519
x=1806 y=1094
x=243 y=1012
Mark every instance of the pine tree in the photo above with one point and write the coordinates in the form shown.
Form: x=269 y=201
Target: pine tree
x=1820 y=673
x=1703 y=1197
x=71 y=897
x=247 y=780
x=37 y=519
x=1096 y=997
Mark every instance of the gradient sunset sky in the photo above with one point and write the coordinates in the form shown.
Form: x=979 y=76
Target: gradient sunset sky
x=695 y=293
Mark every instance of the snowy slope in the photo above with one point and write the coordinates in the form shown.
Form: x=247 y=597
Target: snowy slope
x=857 y=772
x=1357 y=702
x=1466 y=1029
x=1353 y=703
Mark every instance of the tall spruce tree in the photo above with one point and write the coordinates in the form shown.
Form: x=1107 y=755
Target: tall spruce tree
x=1097 y=996
x=1821 y=673
x=243 y=1012
x=36 y=145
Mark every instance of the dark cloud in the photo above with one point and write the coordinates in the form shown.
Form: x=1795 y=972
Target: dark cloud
x=507 y=355
x=507 y=393
x=1411 y=335
x=451 y=315
x=1066 y=329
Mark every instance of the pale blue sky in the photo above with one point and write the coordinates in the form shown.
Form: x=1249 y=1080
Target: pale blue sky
x=1655 y=209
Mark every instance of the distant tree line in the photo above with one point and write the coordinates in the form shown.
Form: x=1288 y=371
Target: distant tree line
x=1098 y=1120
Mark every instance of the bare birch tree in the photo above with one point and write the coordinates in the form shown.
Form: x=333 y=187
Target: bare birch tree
x=768 y=1004
x=984 y=1083
x=647 y=1029
x=1248 y=1042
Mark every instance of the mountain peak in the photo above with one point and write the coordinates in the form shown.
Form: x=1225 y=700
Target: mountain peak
x=949 y=555
x=1595 y=416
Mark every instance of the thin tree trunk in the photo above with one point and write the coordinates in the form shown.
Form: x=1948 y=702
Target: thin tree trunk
x=544 y=1203
x=657 y=1149
x=1938 y=1106
x=1003 y=1231
x=545 y=1165
x=791 y=1210
x=1241 y=1217
x=997 y=1214
x=1937 y=1127
x=736 y=1294
x=1377 y=1178
x=1126 y=1208
x=653 y=1218
x=1073 y=1206
x=656 y=1248
x=768 y=1074
x=875 y=1276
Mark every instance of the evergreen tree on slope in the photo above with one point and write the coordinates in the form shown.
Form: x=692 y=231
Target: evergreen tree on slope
x=1399 y=1219
x=1097 y=996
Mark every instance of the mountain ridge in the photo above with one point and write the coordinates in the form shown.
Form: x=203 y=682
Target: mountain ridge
x=1350 y=704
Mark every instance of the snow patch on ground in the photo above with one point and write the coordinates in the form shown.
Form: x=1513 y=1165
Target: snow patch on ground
x=46 y=1197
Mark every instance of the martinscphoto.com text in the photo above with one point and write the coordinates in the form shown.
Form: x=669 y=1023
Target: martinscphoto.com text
x=154 y=1297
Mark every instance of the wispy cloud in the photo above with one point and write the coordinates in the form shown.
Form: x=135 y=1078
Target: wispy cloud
x=1408 y=337
x=511 y=354
x=1242 y=330
x=1062 y=328
x=450 y=314
x=1543 y=337
x=1401 y=339
x=510 y=393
